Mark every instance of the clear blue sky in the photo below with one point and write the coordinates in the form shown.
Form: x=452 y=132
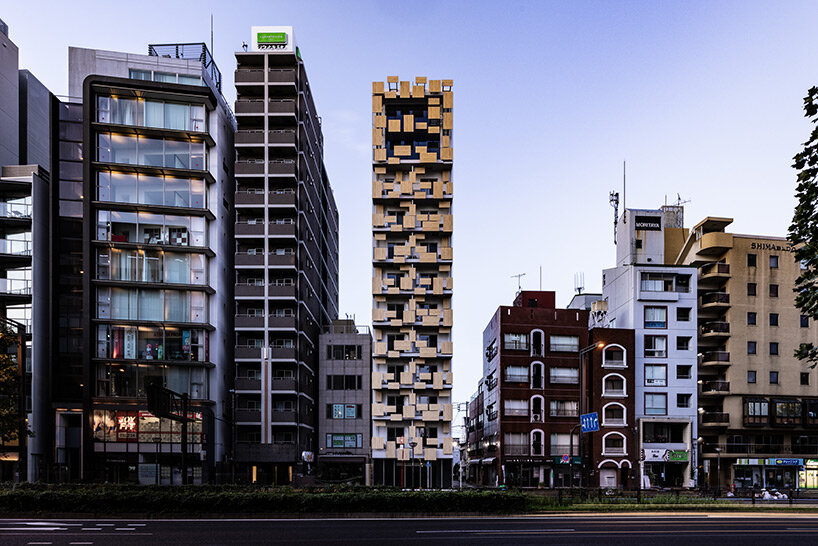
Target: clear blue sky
x=702 y=99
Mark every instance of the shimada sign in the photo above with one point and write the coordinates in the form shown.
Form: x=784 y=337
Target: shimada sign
x=272 y=38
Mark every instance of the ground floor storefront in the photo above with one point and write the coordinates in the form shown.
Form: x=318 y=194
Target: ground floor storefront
x=769 y=473
x=413 y=474
x=352 y=470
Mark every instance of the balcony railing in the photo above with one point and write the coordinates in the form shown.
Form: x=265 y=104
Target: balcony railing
x=15 y=287
x=611 y=450
x=561 y=412
x=716 y=298
x=564 y=449
x=716 y=356
x=716 y=328
x=516 y=378
x=563 y=380
x=716 y=386
x=563 y=347
x=715 y=417
x=715 y=269
x=515 y=345
x=515 y=449
x=15 y=248
x=15 y=210
x=515 y=412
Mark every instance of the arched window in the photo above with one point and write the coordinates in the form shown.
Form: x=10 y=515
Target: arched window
x=614 y=414
x=614 y=356
x=537 y=409
x=613 y=443
x=537 y=347
x=537 y=378
x=537 y=447
x=613 y=385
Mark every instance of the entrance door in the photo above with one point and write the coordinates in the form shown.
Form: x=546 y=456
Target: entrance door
x=607 y=477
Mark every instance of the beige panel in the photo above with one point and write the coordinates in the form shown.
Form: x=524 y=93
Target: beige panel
x=377 y=410
x=408 y=316
x=402 y=151
x=447 y=222
x=380 y=154
x=447 y=412
x=390 y=450
x=434 y=112
x=428 y=352
x=379 y=122
x=447 y=445
x=405 y=378
x=377 y=87
x=377 y=103
x=446 y=154
x=380 y=253
x=418 y=91
x=408 y=411
x=394 y=126
x=447 y=317
x=390 y=95
x=446 y=347
x=405 y=91
x=437 y=380
x=379 y=348
x=408 y=123
x=409 y=221
x=430 y=415
x=378 y=442
x=377 y=137
x=434 y=87
x=427 y=157
x=448 y=120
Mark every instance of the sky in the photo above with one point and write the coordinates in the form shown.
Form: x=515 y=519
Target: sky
x=702 y=99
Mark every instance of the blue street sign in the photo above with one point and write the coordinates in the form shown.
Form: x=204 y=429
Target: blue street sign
x=590 y=422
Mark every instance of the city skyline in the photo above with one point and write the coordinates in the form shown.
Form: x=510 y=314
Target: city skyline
x=576 y=75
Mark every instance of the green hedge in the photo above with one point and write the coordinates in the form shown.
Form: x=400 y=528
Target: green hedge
x=124 y=499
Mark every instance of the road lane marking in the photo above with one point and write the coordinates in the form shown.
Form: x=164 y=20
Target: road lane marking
x=136 y=524
x=91 y=529
x=496 y=531
x=80 y=543
x=39 y=543
x=125 y=529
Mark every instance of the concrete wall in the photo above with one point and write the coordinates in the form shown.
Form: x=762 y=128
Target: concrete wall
x=9 y=102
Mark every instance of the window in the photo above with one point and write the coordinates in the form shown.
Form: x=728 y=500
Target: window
x=751 y=347
x=343 y=352
x=751 y=318
x=639 y=243
x=656 y=346
x=516 y=374
x=664 y=282
x=564 y=375
x=774 y=348
x=773 y=262
x=684 y=371
x=756 y=412
x=614 y=356
x=773 y=319
x=655 y=317
x=140 y=74
x=515 y=342
x=683 y=314
x=655 y=404
x=517 y=408
x=613 y=385
x=564 y=408
x=561 y=444
x=751 y=260
x=683 y=343
x=393 y=433
x=613 y=444
x=751 y=376
x=613 y=414
x=344 y=440
x=344 y=411
x=751 y=289
x=773 y=378
x=515 y=443
x=804 y=321
x=787 y=412
x=344 y=383
x=568 y=344
x=805 y=378
x=773 y=290
x=683 y=400
x=655 y=375
x=660 y=433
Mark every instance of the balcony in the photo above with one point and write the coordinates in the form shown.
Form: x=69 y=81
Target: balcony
x=716 y=358
x=515 y=345
x=256 y=167
x=249 y=321
x=774 y=450
x=245 y=415
x=615 y=451
x=558 y=450
x=715 y=388
x=286 y=416
x=514 y=412
x=247 y=258
x=284 y=137
x=513 y=378
x=247 y=351
x=248 y=384
x=714 y=271
x=255 y=290
x=250 y=228
x=715 y=243
x=281 y=291
x=716 y=300
x=715 y=419
x=281 y=75
x=247 y=75
x=515 y=449
x=281 y=106
x=716 y=329
x=281 y=260
x=281 y=198
x=283 y=384
x=281 y=230
x=281 y=321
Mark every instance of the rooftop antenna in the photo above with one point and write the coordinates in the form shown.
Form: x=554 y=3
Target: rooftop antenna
x=624 y=190
x=212 y=51
x=579 y=282
x=518 y=277
x=613 y=199
x=680 y=201
x=540 y=278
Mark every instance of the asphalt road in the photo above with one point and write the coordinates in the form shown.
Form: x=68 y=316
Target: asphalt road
x=767 y=529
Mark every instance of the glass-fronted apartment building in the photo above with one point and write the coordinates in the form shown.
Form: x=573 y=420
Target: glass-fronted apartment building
x=157 y=203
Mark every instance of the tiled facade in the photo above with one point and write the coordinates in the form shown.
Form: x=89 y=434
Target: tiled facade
x=412 y=282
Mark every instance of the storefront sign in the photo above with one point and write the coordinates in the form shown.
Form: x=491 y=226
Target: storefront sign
x=654 y=454
x=786 y=247
x=678 y=456
x=785 y=462
x=649 y=223
x=749 y=462
x=811 y=463
x=566 y=460
x=272 y=38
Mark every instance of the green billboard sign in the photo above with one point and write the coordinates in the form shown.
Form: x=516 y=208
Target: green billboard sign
x=271 y=37
x=676 y=455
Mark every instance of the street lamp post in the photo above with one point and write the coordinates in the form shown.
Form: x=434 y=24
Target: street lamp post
x=718 y=471
x=582 y=354
x=412 y=446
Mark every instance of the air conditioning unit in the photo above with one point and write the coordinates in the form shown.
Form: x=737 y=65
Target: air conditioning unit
x=538 y=417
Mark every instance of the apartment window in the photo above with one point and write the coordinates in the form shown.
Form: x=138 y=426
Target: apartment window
x=639 y=243
x=567 y=344
x=756 y=412
x=344 y=382
x=344 y=411
x=561 y=444
x=773 y=319
x=773 y=262
x=655 y=317
x=516 y=374
x=751 y=318
x=751 y=347
x=393 y=433
x=343 y=352
x=564 y=375
x=804 y=321
x=656 y=346
x=655 y=403
x=751 y=289
x=773 y=378
x=751 y=376
x=564 y=408
x=773 y=290
x=683 y=343
x=655 y=375
x=683 y=314
x=684 y=371
x=515 y=342
x=805 y=378
x=751 y=260
x=774 y=348
x=787 y=412
x=515 y=408
x=344 y=440
x=683 y=400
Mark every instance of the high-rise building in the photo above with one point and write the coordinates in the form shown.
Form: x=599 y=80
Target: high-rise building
x=759 y=404
x=345 y=397
x=649 y=293
x=412 y=282
x=286 y=255
x=156 y=209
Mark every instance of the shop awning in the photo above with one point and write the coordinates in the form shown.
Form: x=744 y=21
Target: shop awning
x=489 y=460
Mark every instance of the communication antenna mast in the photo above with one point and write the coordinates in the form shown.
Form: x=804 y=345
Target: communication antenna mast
x=613 y=199
x=518 y=277
x=579 y=282
x=680 y=201
x=624 y=190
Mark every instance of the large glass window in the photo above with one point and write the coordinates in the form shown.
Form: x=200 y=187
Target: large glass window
x=151 y=190
x=655 y=317
x=150 y=343
x=788 y=412
x=151 y=152
x=564 y=375
x=756 y=411
x=655 y=404
x=655 y=375
x=563 y=343
x=150 y=228
x=151 y=305
x=128 y=380
x=656 y=346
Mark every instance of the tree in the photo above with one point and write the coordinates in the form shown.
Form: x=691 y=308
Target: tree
x=803 y=232
x=9 y=391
